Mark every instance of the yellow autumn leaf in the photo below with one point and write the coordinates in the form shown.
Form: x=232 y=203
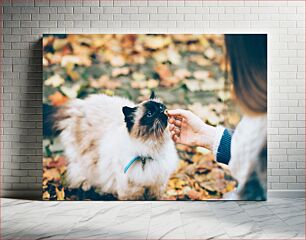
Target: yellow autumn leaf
x=46 y=195
x=138 y=76
x=51 y=174
x=60 y=194
x=156 y=42
x=203 y=150
x=59 y=43
x=160 y=56
x=230 y=186
x=224 y=95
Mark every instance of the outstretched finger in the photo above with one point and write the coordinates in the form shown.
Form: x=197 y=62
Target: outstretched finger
x=171 y=120
x=178 y=123
x=177 y=131
x=179 y=113
x=172 y=135
x=175 y=138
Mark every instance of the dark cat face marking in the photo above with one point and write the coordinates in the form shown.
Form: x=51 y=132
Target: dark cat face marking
x=147 y=120
x=129 y=116
x=153 y=113
x=152 y=122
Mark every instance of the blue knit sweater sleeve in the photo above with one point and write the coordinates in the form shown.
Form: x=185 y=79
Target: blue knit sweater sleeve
x=224 y=149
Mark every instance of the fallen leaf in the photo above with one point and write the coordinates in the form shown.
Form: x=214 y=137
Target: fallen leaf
x=46 y=196
x=58 y=99
x=55 y=81
x=59 y=43
x=213 y=119
x=173 y=56
x=55 y=58
x=57 y=162
x=201 y=74
x=69 y=92
x=46 y=161
x=194 y=195
x=152 y=83
x=217 y=173
x=47 y=40
x=139 y=84
x=182 y=74
x=200 y=60
x=212 y=85
x=210 y=53
x=105 y=82
x=156 y=42
x=79 y=60
x=51 y=174
x=193 y=85
x=60 y=194
x=120 y=71
x=166 y=77
x=45 y=62
x=160 y=56
x=138 y=76
x=117 y=61
x=163 y=71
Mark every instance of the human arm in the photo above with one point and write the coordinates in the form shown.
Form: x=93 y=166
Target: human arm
x=187 y=128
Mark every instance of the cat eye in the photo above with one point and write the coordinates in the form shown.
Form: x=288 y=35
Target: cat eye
x=149 y=114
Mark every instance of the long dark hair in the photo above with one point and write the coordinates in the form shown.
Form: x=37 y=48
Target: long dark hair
x=247 y=54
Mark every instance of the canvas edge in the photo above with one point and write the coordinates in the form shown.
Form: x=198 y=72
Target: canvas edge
x=37 y=194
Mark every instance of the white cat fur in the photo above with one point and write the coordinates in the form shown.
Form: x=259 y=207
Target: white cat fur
x=98 y=146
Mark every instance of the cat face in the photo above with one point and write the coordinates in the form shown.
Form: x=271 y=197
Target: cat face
x=147 y=120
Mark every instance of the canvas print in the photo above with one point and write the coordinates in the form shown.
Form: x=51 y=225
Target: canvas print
x=154 y=116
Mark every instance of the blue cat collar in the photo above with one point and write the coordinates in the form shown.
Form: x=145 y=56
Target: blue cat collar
x=131 y=162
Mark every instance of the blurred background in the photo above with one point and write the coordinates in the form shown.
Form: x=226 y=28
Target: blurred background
x=185 y=71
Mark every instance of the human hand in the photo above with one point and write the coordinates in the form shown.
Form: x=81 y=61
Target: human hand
x=187 y=128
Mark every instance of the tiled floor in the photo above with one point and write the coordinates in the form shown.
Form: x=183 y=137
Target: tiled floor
x=274 y=219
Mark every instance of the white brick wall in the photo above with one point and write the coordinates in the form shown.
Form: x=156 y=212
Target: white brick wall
x=24 y=22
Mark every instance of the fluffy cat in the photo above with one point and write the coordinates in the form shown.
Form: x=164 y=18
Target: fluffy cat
x=102 y=134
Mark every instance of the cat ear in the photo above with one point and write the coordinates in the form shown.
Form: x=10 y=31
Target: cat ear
x=152 y=96
x=128 y=111
x=129 y=116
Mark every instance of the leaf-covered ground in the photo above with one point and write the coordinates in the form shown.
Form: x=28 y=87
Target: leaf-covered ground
x=186 y=71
